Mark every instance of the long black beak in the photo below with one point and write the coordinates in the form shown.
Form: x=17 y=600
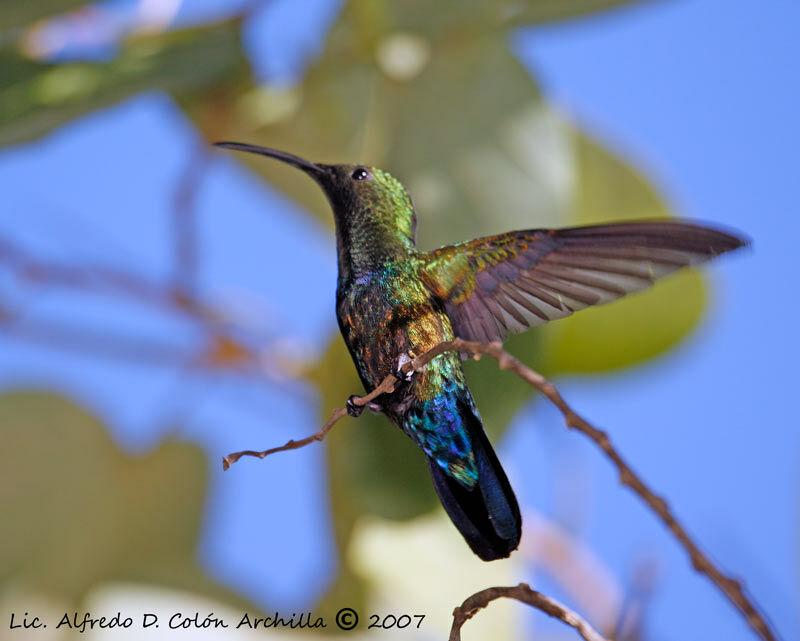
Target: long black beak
x=314 y=170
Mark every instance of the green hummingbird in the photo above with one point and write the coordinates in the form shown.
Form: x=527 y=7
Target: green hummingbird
x=394 y=302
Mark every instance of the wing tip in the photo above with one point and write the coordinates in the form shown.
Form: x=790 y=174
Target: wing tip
x=717 y=238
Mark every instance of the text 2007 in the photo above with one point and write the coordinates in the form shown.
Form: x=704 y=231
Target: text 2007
x=390 y=621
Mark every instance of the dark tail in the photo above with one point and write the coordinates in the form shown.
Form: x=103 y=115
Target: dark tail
x=487 y=515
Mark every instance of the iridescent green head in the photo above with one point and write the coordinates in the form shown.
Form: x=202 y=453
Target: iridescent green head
x=367 y=202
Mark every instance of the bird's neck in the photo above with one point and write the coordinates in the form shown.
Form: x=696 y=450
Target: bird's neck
x=366 y=244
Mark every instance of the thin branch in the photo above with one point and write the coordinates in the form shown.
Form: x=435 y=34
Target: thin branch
x=97 y=343
x=338 y=413
x=524 y=593
x=630 y=622
x=222 y=345
x=731 y=588
x=102 y=278
x=214 y=351
x=386 y=386
x=184 y=219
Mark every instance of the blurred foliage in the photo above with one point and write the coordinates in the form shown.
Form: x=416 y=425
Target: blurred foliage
x=437 y=98
x=84 y=513
x=18 y=13
x=36 y=97
x=637 y=327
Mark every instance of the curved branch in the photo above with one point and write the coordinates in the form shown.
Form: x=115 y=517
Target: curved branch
x=731 y=588
x=524 y=593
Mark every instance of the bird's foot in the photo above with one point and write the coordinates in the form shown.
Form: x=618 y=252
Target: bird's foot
x=402 y=360
x=355 y=410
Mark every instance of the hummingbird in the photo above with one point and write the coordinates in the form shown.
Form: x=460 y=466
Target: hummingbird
x=395 y=302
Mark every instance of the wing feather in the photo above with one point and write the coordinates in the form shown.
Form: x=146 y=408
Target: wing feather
x=507 y=283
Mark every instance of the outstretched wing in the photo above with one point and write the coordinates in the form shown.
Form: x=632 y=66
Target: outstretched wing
x=507 y=283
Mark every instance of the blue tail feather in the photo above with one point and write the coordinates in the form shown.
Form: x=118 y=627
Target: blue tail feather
x=487 y=515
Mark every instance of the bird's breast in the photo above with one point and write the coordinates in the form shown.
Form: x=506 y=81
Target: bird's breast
x=385 y=316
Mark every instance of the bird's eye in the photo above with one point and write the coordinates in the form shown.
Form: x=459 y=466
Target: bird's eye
x=360 y=173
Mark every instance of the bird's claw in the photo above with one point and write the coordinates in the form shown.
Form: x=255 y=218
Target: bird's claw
x=353 y=409
x=402 y=360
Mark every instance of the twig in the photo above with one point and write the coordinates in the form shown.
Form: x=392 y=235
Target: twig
x=524 y=593
x=97 y=343
x=731 y=588
x=102 y=278
x=184 y=219
x=222 y=344
x=338 y=413
x=630 y=621
x=386 y=386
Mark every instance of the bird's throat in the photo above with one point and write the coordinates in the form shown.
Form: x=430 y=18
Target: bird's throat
x=366 y=244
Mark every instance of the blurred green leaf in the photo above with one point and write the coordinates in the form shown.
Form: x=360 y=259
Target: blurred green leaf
x=442 y=104
x=77 y=512
x=458 y=133
x=461 y=20
x=19 y=13
x=36 y=97
x=542 y=11
x=627 y=332
x=637 y=327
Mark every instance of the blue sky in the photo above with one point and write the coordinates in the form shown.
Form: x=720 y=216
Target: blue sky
x=703 y=95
